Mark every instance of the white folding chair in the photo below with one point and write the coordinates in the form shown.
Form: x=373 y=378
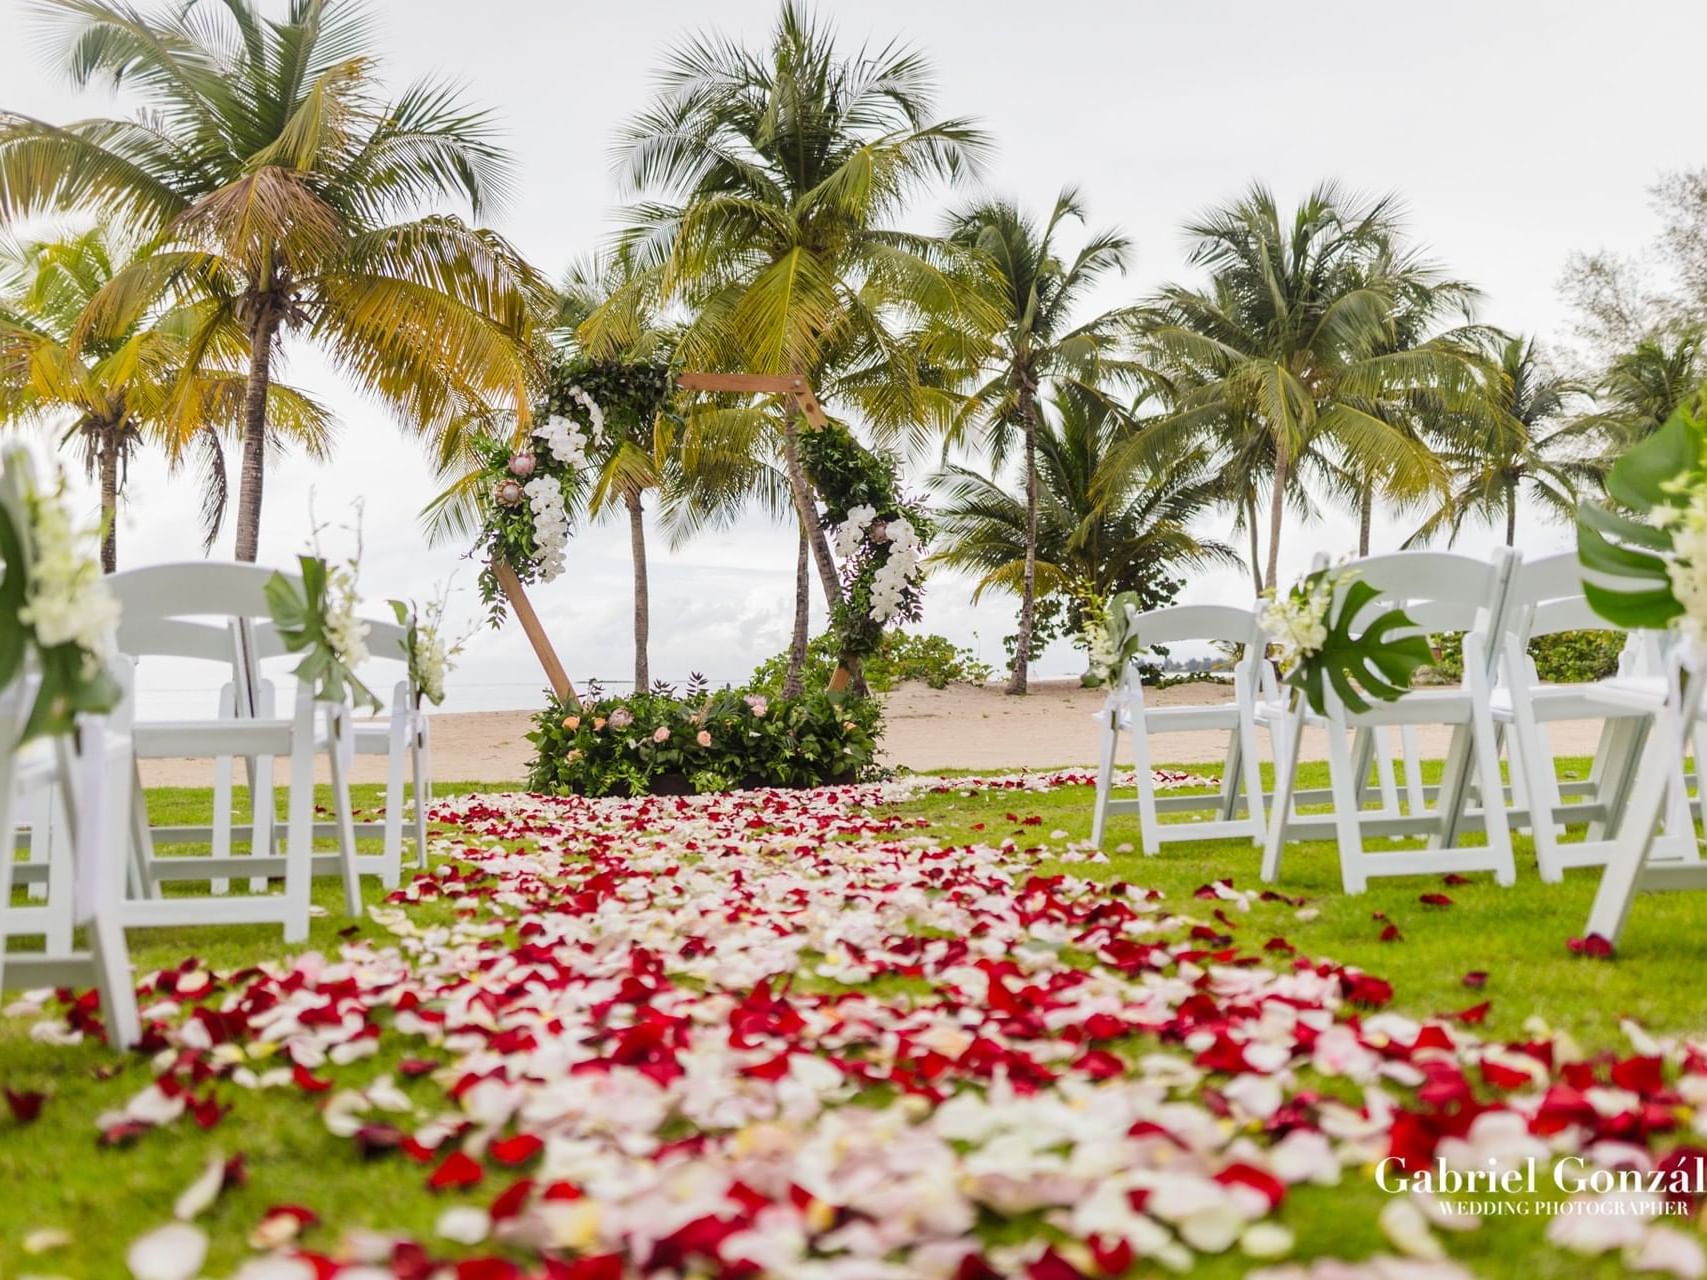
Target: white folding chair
x=1253 y=678
x=1631 y=864
x=1439 y=592
x=82 y=784
x=210 y=611
x=1545 y=598
x=402 y=738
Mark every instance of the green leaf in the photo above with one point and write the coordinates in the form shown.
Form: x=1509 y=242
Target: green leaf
x=12 y=633
x=1370 y=664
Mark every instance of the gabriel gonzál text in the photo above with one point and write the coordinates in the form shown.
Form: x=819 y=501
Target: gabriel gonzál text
x=1571 y=1174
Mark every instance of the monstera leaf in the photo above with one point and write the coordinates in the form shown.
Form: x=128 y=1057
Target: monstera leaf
x=1373 y=663
x=1649 y=478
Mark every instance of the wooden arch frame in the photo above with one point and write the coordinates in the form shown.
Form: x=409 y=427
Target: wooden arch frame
x=777 y=384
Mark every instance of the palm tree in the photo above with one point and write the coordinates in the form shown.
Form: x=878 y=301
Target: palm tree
x=276 y=178
x=1092 y=525
x=1524 y=443
x=1294 y=339
x=1642 y=386
x=769 y=180
x=633 y=454
x=1040 y=345
x=169 y=376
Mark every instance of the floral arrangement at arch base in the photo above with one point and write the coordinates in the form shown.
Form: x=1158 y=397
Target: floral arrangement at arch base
x=878 y=534
x=53 y=603
x=704 y=741
x=1316 y=648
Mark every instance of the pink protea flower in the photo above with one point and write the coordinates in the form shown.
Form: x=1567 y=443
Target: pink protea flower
x=509 y=493
x=522 y=464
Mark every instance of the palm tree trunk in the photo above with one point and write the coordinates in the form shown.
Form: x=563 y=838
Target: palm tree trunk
x=1276 y=513
x=1251 y=528
x=108 y=443
x=255 y=432
x=1365 y=514
x=1028 y=594
x=642 y=596
x=806 y=506
x=791 y=685
x=1511 y=515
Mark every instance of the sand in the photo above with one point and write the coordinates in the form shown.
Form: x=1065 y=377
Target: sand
x=961 y=727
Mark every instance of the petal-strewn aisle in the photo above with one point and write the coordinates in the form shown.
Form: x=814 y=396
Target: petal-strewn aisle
x=788 y=1034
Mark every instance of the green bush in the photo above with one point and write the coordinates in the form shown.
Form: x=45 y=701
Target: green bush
x=934 y=660
x=1566 y=657
x=712 y=741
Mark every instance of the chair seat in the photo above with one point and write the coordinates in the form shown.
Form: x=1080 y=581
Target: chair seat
x=1585 y=701
x=1418 y=706
x=193 y=739
x=1192 y=719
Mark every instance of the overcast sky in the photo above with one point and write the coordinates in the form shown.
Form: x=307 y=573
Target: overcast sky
x=1516 y=132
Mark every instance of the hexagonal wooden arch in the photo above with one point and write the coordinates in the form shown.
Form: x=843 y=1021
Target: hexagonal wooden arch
x=790 y=384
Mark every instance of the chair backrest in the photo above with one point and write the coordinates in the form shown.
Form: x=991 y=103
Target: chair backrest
x=1179 y=622
x=196 y=589
x=1438 y=590
x=142 y=636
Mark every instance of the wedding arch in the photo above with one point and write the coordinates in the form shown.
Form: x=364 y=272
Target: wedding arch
x=879 y=534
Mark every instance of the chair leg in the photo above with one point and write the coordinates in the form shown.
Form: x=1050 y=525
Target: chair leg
x=1287 y=743
x=1105 y=778
x=263 y=823
x=1255 y=802
x=143 y=884
x=1415 y=802
x=299 y=841
x=391 y=868
x=1385 y=774
x=422 y=763
x=108 y=952
x=1494 y=821
x=1348 y=827
x=1149 y=819
x=1635 y=838
x=340 y=725
x=1454 y=787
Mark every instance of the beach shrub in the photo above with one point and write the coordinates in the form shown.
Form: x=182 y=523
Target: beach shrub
x=932 y=660
x=660 y=743
x=1566 y=657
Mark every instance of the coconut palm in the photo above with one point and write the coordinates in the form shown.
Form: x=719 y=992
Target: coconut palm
x=1294 y=339
x=1525 y=443
x=172 y=377
x=1042 y=345
x=633 y=454
x=1641 y=387
x=1092 y=527
x=769 y=181
x=276 y=178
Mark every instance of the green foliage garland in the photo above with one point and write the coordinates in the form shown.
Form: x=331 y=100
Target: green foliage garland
x=848 y=476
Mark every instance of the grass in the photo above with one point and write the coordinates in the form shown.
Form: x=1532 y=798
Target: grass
x=57 y=1176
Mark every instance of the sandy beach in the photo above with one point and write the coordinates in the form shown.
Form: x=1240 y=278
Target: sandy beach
x=961 y=727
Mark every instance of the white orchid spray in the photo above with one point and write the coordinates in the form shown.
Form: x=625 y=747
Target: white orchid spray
x=430 y=655
x=54 y=603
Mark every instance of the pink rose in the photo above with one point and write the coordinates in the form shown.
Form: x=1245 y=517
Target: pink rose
x=703 y=737
x=660 y=734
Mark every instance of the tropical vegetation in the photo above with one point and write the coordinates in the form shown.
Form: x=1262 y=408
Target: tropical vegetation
x=1077 y=438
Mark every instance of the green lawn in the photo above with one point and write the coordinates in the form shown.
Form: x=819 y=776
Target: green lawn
x=57 y=1176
